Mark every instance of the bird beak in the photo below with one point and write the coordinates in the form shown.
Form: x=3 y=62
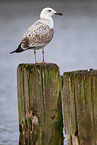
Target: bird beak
x=60 y=14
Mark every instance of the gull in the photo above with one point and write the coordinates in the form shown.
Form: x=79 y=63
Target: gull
x=39 y=34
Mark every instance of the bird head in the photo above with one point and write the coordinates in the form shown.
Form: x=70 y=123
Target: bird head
x=48 y=12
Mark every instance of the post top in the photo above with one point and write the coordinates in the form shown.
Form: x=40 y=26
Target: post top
x=39 y=65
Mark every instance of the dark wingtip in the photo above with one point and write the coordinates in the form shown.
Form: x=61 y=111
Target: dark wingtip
x=12 y=52
x=18 y=50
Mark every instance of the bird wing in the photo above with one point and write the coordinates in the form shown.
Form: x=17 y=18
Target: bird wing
x=37 y=36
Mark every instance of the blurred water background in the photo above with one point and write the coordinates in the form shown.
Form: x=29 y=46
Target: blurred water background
x=73 y=47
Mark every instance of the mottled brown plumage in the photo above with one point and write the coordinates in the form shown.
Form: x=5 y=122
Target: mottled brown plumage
x=37 y=41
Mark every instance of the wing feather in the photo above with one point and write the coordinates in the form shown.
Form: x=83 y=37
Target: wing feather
x=37 y=36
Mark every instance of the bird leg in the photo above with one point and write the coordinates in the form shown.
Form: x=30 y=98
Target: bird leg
x=35 y=56
x=43 y=54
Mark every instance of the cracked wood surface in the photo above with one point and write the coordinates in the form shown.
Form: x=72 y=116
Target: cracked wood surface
x=39 y=104
x=80 y=107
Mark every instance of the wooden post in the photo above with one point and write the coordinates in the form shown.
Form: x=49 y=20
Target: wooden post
x=39 y=104
x=79 y=96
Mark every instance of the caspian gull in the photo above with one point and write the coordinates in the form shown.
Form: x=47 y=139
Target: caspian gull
x=39 y=34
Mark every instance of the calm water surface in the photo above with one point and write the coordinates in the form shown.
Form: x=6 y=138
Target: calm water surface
x=73 y=47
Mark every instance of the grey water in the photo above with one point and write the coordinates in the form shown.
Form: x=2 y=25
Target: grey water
x=74 y=47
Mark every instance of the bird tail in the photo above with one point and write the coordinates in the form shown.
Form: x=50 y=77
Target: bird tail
x=12 y=52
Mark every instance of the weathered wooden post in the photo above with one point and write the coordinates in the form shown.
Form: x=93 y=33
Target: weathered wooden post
x=79 y=95
x=39 y=104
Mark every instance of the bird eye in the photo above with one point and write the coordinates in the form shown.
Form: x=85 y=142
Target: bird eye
x=49 y=10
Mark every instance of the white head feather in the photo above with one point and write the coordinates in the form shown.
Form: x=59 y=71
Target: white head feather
x=46 y=14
